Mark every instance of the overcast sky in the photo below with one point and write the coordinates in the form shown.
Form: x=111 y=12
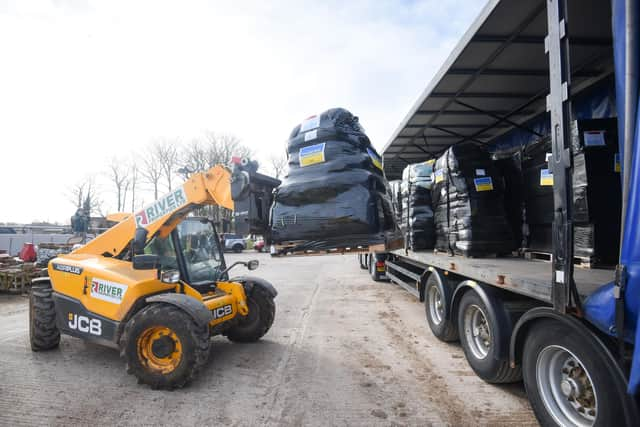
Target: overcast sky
x=83 y=81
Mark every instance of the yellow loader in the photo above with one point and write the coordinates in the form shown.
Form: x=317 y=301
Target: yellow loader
x=156 y=287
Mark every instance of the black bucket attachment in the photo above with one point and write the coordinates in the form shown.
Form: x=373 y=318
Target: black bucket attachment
x=252 y=194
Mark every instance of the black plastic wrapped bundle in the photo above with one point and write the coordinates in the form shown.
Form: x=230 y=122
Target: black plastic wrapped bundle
x=510 y=167
x=468 y=197
x=396 y=201
x=335 y=194
x=417 y=216
x=538 y=195
x=597 y=193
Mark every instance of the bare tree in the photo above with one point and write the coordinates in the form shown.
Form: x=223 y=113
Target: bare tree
x=222 y=147
x=278 y=164
x=134 y=183
x=84 y=195
x=167 y=155
x=151 y=170
x=119 y=174
x=213 y=149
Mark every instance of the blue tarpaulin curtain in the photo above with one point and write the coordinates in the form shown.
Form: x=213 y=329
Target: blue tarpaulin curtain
x=626 y=50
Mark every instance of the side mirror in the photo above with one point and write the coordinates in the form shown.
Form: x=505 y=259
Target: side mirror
x=146 y=262
x=253 y=264
x=139 y=241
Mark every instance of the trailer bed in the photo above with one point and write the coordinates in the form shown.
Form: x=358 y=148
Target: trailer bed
x=531 y=278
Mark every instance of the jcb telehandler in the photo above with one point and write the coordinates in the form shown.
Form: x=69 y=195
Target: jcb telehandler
x=155 y=286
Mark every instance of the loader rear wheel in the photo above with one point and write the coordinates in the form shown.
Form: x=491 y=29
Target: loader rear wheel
x=164 y=347
x=43 y=331
x=262 y=311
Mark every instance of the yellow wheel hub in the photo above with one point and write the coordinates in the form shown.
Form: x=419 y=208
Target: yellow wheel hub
x=159 y=349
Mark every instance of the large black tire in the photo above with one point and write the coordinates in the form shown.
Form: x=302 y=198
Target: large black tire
x=479 y=344
x=262 y=312
x=549 y=340
x=436 y=306
x=43 y=331
x=191 y=339
x=237 y=248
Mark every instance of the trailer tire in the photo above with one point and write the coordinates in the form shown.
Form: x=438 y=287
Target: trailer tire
x=43 y=331
x=437 y=305
x=572 y=367
x=478 y=329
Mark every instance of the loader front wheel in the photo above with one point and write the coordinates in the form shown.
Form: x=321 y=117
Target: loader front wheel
x=43 y=331
x=253 y=326
x=164 y=347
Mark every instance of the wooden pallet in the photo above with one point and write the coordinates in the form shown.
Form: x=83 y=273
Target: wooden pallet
x=18 y=279
x=289 y=249
x=581 y=262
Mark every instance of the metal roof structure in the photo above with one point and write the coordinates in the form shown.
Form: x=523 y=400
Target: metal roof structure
x=497 y=78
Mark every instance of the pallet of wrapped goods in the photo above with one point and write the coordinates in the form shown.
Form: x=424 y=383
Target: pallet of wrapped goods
x=597 y=191
x=468 y=198
x=417 y=222
x=509 y=166
x=335 y=195
x=596 y=194
x=537 y=184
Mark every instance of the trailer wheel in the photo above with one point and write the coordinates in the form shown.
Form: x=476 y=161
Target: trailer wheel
x=478 y=331
x=567 y=381
x=436 y=307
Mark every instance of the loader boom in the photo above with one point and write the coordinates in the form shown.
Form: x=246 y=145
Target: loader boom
x=212 y=187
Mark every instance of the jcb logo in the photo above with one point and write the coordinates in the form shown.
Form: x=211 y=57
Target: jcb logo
x=225 y=310
x=85 y=324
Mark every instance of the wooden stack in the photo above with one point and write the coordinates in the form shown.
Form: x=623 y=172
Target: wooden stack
x=15 y=275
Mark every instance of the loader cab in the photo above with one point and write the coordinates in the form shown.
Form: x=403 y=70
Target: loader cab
x=191 y=253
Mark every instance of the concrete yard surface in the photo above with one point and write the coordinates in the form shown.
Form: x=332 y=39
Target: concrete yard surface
x=344 y=350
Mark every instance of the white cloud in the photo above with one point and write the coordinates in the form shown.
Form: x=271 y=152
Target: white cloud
x=81 y=81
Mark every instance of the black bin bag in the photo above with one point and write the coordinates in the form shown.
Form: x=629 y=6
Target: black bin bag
x=468 y=199
x=335 y=194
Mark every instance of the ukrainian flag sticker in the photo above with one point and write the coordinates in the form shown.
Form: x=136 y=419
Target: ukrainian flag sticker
x=546 y=177
x=311 y=155
x=483 y=184
x=374 y=158
x=439 y=175
x=616 y=163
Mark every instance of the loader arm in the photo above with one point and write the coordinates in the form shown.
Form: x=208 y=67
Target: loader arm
x=212 y=187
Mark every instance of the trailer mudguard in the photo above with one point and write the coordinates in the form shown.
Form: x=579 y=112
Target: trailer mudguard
x=520 y=332
x=190 y=305
x=249 y=282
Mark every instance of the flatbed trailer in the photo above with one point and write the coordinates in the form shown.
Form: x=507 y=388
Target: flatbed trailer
x=524 y=71
x=530 y=278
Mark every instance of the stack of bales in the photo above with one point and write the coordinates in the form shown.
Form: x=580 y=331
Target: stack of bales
x=468 y=198
x=335 y=193
x=417 y=222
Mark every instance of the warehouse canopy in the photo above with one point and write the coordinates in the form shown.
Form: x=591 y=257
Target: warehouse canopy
x=497 y=78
